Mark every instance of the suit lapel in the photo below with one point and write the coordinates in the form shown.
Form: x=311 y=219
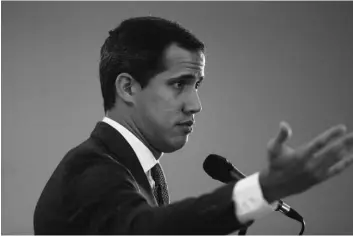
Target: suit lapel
x=122 y=152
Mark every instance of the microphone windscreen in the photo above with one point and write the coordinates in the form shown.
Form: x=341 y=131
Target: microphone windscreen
x=218 y=168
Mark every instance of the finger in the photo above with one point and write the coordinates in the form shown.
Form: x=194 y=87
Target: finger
x=275 y=145
x=284 y=133
x=324 y=139
x=340 y=166
x=348 y=142
x=335 y=152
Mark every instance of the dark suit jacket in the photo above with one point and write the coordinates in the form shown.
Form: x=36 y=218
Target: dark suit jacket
x=99 y=187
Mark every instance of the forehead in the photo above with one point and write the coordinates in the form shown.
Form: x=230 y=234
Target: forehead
x=180 y=59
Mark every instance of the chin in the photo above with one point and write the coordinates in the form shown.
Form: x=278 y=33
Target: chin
x=175 y=144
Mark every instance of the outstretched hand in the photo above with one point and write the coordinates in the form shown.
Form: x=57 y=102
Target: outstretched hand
x=292 y=171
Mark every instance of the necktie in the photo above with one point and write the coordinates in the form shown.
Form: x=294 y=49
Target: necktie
x=160 y=190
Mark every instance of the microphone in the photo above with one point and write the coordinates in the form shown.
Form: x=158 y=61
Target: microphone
x=219 y=168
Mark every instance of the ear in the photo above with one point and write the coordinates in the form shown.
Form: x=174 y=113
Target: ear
x=127 y=87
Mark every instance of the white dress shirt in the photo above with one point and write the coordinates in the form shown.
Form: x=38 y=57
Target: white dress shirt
x=247 y=194
x=144 y=155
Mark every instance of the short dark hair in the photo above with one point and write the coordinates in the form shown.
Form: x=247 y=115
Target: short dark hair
x=136 y=47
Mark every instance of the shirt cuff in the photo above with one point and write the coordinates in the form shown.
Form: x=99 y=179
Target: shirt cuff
x=249 y=201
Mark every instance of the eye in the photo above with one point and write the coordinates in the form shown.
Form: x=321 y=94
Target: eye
x=179 y=84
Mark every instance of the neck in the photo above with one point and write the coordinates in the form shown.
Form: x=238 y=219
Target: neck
x=129 y=124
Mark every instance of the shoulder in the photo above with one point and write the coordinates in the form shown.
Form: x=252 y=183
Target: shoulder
x=91 y=162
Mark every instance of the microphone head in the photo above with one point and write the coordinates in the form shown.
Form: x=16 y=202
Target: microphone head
x=219 y=168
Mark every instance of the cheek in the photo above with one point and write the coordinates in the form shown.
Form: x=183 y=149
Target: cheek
x=163 y=107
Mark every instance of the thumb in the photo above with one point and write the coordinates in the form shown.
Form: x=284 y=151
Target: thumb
x=285 y=132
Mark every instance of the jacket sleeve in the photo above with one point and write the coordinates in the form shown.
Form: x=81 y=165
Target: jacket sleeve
x=108 y=201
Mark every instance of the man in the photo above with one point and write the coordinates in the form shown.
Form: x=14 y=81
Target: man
x=112 y=183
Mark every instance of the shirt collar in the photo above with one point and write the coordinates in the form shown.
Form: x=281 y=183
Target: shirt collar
x=144 y=155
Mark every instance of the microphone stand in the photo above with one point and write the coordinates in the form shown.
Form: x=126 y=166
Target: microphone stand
x=300 y=219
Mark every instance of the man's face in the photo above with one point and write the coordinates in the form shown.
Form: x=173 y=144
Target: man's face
x=165 y=108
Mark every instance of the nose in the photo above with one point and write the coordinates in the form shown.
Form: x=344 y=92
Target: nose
x=193 y=104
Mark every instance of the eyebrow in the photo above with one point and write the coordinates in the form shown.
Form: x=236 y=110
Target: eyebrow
x=188 y=76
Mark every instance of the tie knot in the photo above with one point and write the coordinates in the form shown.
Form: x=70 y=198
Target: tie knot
x=157 y=173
